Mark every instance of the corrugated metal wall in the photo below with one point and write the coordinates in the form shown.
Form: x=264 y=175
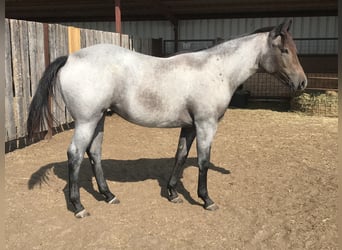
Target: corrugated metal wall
x=303 y=27
x=308 y=30
x=142 y=29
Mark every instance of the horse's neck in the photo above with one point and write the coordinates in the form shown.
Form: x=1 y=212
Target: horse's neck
x=241 y=58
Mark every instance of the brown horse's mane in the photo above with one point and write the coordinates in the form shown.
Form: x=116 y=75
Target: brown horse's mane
x=262 y=30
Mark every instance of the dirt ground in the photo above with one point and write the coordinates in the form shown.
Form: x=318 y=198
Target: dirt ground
x=273 y=176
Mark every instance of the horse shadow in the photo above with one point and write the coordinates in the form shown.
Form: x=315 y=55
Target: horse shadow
x=120 y=171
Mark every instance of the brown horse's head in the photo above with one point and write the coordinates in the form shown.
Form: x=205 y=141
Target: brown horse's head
x=281 y=58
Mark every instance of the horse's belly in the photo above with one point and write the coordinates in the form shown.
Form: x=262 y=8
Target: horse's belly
x=155 y=119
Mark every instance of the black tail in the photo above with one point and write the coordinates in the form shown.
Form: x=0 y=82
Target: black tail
x=39 y=111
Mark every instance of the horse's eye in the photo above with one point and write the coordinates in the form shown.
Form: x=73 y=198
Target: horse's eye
x=284 y=50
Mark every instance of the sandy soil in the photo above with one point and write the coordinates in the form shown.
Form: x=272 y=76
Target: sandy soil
x=274 y=177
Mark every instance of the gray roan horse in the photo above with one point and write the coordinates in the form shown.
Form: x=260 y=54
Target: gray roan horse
x=191 y=91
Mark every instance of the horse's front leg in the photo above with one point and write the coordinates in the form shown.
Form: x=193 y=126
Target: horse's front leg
x=205 y=133
x=186 y=138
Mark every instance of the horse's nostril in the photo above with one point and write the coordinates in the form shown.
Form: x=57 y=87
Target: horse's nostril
x=302 y=85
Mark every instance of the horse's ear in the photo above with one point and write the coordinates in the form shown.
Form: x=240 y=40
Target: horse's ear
x=281 y=29
x=287 y=25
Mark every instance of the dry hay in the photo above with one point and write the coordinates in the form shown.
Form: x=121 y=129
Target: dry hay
x=316 y=103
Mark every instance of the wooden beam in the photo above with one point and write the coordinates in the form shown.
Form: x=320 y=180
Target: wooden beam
x=117 y=16
x=118 y=19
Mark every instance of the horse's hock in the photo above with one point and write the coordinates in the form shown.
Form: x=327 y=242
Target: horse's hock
x=321 y=103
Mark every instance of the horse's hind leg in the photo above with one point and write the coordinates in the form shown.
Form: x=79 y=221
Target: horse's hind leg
x=186 y=138
x=82 y=137
x=94 y=154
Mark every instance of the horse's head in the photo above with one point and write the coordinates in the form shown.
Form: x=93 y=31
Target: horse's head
x=281 y=58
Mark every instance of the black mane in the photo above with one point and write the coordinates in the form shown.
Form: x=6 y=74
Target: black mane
x=262 y=30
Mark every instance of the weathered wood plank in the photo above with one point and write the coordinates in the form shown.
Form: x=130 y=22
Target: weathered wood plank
x=36 y=54
x=108 y=37
x=26 y=84
x=16 y=59
x=32 y=37
x=49 y=56
x=40 y=57
x=10 y=125
x=53 y=47
x=83 y=38
x=103 y=37
x=91 y=38
x=86 y=40
x=84 y=43
x=117 y=39
x=61 y=47
x=17 y=74
x=125 y=41
x=97 y=36
x=112 y=38
x=52 y=42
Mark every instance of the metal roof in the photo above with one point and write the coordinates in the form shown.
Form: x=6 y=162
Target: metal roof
x=173 y=10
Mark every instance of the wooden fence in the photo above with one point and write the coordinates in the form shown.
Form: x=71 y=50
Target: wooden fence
x=263 y=85
x=29 y=48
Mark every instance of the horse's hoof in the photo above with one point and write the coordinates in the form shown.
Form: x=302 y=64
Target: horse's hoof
x=114 y=201
x=176 y=200
x=212 y=207
x=82 y=214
